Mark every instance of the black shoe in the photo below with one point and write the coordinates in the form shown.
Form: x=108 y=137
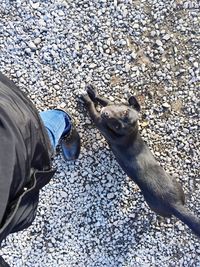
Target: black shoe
x=70 y=145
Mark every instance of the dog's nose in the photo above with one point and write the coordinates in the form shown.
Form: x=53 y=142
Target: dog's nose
x=105 y=113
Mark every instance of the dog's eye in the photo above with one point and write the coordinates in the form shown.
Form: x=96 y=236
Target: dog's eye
x=126 y=119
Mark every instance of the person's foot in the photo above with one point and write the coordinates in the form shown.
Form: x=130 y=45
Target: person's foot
x=70 y=144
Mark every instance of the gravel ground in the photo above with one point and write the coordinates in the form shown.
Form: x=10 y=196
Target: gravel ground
x=91 y=214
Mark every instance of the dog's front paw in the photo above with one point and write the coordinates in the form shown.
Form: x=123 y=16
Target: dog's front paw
x=84 y=97
x=92 y=92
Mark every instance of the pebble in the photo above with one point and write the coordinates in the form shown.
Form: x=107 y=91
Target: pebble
x=127 y=67
x=166 y=37
x=28 y=51
x=159 y=73
x=41 y=23
x=153 y=33
x=166 y=105
x=32 y=46
x=63 y=105
x=35 y=5
x=159 y=43
x=37 y=41
x=63 y=194
x=136 y=26
x=92 y=66
x=110 y=195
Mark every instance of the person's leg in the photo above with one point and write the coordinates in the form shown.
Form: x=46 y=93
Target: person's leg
x=57 y=123
x=60 y=130
x=3 y=263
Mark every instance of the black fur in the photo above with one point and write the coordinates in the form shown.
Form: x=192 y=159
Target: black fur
x=119 y=125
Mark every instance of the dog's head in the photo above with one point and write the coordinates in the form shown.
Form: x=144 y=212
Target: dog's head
x=121 y=119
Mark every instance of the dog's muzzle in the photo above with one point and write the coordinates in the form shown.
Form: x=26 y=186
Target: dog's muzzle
x=105 y=113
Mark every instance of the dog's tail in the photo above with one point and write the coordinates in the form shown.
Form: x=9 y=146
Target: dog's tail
x=182 y=213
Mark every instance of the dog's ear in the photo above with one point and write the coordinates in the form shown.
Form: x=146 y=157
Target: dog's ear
x=134 y=103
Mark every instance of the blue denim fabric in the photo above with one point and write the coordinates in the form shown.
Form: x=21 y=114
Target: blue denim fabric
x=57 y=123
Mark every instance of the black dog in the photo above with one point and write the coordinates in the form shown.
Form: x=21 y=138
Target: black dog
x=119 y=125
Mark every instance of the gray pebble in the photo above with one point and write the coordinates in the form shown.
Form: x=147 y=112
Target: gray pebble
x=32 y=46
x=166 y=105
x=159 y=43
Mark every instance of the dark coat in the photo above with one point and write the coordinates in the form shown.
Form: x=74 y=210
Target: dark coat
x=25 y=159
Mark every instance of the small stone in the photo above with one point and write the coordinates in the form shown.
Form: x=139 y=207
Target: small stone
x=135 y=68
x=37 y=41
x=110 y=195
x=166 y=105
x=159 y=73
x=71 y=179
x=62 y=105
x=92 y=65
x=181 y=227
x=186 y=131
x=196 y=64
x=101 y=69
x=77 y=46
x=57 y=87
x=112 y=99
x=144 y=124
x=35 y=5
x=123 y=42
x=166 y=37
x=132 y=215
x=153 y=33
x=87 y=187
x=157 y=153
x=98 y=224
x=42 y=23
x=18 y=74
x=127 y=67
x=134 y=55
x=159 y=43
x=28 y=51
x=61 y=13
x=136 y=26
x=161 y=49
x=46 y=56
x=63 y=194
x=32 y=46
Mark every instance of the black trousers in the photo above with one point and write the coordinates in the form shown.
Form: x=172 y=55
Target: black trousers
x=3 y=263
